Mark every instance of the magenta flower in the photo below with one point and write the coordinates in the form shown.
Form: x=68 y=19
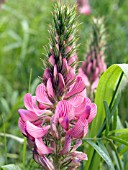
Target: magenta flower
x=57 y=117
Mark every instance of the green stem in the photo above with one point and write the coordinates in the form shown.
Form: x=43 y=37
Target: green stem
x=24 y=152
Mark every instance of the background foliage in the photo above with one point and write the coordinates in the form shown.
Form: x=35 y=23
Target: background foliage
x=23 y=33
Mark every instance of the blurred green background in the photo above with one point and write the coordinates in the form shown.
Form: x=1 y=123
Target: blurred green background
x=23 y=33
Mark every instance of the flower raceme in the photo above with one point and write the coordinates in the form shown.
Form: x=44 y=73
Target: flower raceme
x=57 y=117
x=94 y=64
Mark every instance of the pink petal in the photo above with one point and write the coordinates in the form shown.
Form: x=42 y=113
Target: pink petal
x=82 y=107
x=95 y=84
x=36 y=131
x=46 y=74
x=63 y=109
x=72 y=60
x=64 y=65
x=51 y=60
x=76 y=100
x=30 y=102
x=70 y=77
x=80 y=155
x=21 y=125
x=61 y=83
x=43 y=161
x=78 y=87
x=84 y=77
x=50 y=90
x=67 y=145
x=92 y=113
x=41 y=95
x=42 y=149
x=80 y=129
x=78 y=143
x=55 y=72
x=27 y=115
x=64 y=122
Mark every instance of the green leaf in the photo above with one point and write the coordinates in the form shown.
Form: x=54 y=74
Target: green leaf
x=107 y=90
x=10 y=167
x=118 y=139
x=118 y=131
x=103 y=154
x=107 y=117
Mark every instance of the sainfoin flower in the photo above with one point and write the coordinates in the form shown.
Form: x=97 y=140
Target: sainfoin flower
x=84 y=7
x=94 y=64
x=57 y=117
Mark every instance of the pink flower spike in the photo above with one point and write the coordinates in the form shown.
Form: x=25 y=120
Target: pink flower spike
x=27 y=115
x=41 y=95
x=35 y=131
x=67 y=145
x=50 y=88
x=78 y=87
x=42 y=149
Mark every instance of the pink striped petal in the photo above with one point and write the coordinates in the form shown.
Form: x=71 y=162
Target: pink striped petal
x=42 y=149
x=21 y=125
x=63 y=109
x=50 y=90
x=78 y=87
x=30 y=102
x=41 y=95
x=27 y=115
x=76 y=100
x=67 y=145
x=36 y=131
x=80 y=129
x=82 y=107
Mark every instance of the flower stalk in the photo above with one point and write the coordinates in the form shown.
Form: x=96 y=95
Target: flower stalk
x=57 y=117
x=94 y=64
